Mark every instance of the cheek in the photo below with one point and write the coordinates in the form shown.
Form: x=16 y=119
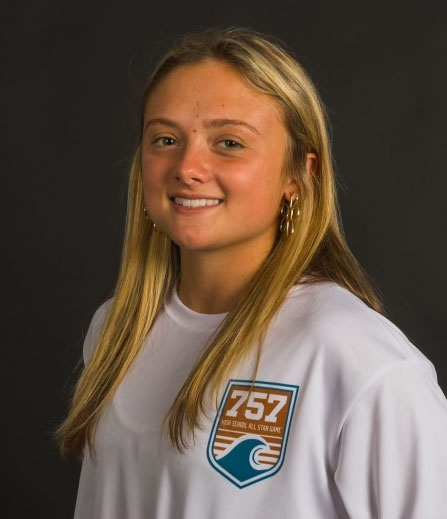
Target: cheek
x=257 y=188
x=151 y=176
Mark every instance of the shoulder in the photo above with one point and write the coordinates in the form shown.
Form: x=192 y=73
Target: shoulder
x=350 y=335
x=94 y=329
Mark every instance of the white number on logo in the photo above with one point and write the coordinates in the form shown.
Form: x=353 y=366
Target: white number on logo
x=259 y=406
x=282 y=400
x=255 y=409
x=242 y=396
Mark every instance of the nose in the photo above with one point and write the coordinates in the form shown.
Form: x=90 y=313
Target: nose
x=193 y=165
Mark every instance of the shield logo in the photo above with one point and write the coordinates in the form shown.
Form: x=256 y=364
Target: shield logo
x=248 y=439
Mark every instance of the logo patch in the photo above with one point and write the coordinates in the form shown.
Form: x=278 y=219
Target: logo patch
x=249 y=435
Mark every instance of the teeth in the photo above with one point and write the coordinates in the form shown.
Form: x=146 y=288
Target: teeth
x=202 y=202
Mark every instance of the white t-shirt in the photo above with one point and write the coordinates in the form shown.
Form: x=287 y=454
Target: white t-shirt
x=346 y=420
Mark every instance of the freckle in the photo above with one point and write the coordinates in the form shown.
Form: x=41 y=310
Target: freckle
x=194 y=131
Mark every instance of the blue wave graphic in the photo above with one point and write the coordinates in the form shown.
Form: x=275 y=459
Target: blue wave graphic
x=240 y=461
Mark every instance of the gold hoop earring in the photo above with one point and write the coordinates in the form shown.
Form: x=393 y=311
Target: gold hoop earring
x=289 y=215
x=147 y=217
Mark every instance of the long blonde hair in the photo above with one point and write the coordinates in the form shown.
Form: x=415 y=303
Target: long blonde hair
x=150 y=264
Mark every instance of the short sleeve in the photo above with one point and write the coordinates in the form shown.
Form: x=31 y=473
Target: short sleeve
x=392 y=462
x=94 y=330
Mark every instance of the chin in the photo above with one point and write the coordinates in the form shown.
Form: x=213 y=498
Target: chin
x=193 y=240
x=195 y=246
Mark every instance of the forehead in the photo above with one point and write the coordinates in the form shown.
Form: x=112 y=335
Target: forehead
x=210 y=88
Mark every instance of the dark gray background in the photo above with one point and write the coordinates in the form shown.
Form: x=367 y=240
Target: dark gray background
x=71 y=75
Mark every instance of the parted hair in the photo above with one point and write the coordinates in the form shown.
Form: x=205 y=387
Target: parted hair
x=150 y=263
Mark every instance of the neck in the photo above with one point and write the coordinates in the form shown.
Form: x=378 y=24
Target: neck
x=211 y=281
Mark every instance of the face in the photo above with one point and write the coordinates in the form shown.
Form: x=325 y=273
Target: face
x=190 y=151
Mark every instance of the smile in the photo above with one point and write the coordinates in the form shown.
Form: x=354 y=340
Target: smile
x=193 y=203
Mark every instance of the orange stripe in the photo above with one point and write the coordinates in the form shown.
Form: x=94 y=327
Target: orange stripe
x=272 y=439
x=267 y=456
x=226 y=432
x=223 y=439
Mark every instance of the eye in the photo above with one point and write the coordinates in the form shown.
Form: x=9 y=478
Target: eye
x=234 y=144
x=165 y=138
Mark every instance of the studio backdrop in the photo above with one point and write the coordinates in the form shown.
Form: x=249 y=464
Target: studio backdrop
x=71 y=79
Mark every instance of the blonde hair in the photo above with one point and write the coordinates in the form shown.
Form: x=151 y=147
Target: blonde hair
x=150 y=262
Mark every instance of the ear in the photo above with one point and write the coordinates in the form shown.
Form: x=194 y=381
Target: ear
x=311 y=166
x=311 y=163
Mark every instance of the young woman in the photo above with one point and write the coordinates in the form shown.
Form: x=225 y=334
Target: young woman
x=243 y=367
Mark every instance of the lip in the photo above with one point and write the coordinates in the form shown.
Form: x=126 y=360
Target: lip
x=194 y=197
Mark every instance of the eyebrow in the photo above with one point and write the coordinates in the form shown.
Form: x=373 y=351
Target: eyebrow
x=211 y=123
